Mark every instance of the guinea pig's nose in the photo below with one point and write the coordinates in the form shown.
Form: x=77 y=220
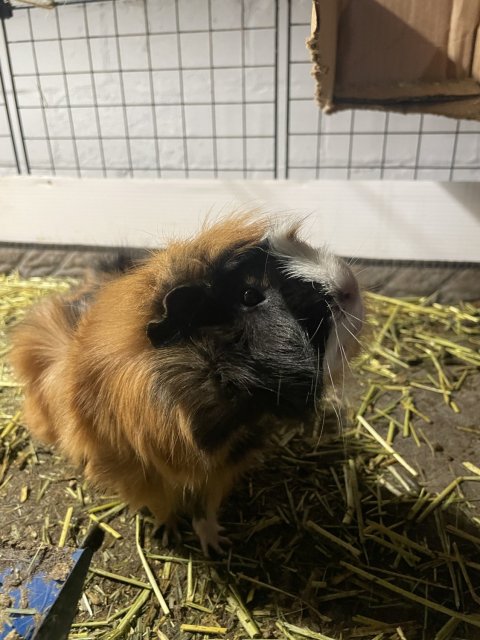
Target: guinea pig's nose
x=344 y=296
x=348 y=296
x=349 y=291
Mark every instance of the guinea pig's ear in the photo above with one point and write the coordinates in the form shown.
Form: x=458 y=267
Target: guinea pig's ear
x=183 y=306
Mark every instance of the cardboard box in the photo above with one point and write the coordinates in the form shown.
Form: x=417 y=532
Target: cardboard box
x=412 y=56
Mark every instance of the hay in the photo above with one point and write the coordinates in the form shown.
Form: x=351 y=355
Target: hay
x=333 y=538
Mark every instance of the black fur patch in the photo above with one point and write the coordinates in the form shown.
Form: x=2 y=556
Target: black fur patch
x=257 y=360
x=215 y=425
x=248 y=441
x=310 y=305
x=186 y=308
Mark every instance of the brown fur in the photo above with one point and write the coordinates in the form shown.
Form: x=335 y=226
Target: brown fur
x=90 y=386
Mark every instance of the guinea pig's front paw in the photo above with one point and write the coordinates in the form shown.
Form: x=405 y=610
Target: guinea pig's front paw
x=209 y=533
x=168 y=532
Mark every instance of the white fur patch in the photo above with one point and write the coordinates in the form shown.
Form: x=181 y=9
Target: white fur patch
x=301 y=260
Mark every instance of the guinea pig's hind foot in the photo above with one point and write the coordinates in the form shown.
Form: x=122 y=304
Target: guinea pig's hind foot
x=209 y=533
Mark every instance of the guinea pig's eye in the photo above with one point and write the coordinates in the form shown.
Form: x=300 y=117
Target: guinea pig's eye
x=252 y=297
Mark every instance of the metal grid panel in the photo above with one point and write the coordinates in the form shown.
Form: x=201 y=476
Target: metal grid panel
x=173 y=88
x=147 y=88
x=357 y=144
x=9 y=163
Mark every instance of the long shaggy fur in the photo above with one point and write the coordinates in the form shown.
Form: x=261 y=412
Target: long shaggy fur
x=93 y=382
x=140 y=419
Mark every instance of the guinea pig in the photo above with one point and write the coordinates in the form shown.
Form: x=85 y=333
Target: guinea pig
x=159 y=380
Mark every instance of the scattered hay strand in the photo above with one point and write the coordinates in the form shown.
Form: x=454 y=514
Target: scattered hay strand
x=148 y=571
x=386 y=446
x=117 y=577
x=126 y=621
x=198 y=628
x=65 y=527
x=333 y=538
x=475 y=621
x=301 y=632
x=242 y=613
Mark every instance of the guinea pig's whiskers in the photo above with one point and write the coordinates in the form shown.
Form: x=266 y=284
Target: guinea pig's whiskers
x=359 y=271
x=347 y=313
x=351 y=261
x=312 y=338
x=353 y=335
x=345 y=359
x=339 y=342
x=353 y=326
x=356 y=326
x=321 y=424
x=335 y=409
x=317 y=377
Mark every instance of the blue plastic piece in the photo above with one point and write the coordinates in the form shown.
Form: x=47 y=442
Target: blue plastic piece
x=38 y=593
x=49 y=604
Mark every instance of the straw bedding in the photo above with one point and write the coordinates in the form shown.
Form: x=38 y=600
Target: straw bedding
x=362 y=525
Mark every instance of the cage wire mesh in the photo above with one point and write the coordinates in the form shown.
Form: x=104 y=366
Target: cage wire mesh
x=9 y=163
x=211 y=88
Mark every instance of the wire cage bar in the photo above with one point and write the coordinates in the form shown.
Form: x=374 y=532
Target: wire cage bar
x=9 y=159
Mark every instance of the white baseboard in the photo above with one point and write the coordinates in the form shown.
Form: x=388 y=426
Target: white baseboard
x=369 y=219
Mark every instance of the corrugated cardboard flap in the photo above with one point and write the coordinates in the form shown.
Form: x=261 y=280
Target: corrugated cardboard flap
x=401 y=55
